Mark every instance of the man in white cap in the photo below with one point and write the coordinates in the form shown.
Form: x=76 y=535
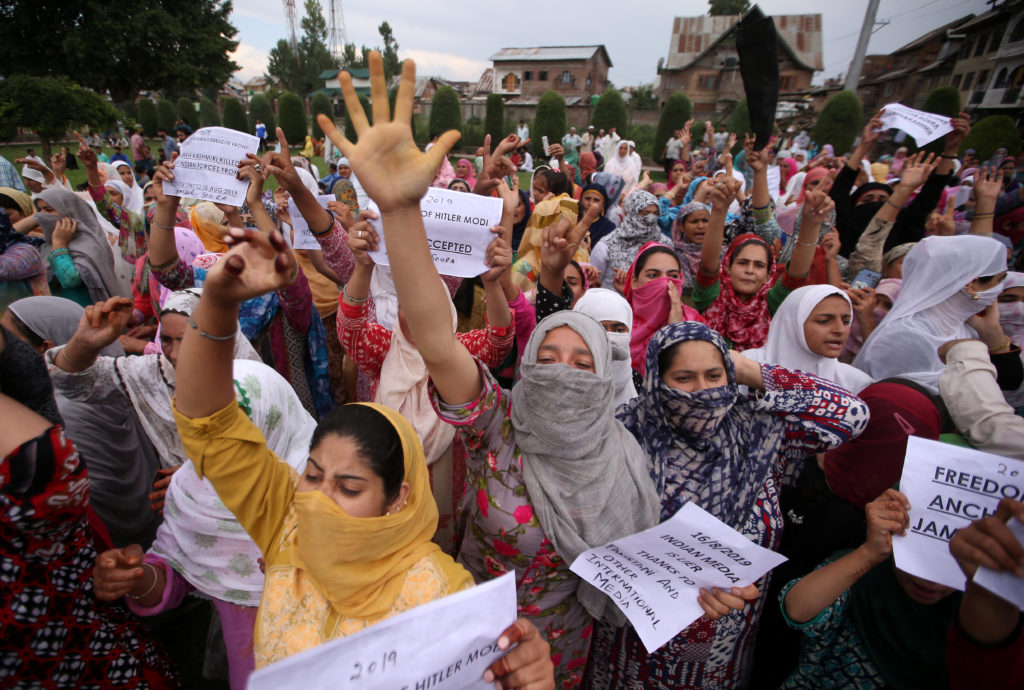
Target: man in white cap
x=571 y=140
x=587 y=140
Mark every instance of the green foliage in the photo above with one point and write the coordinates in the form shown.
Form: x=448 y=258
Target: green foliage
x=728 y=6
x=944 y=100
x=550 y=121
x=739 y=120
x=292 y=116
x=472 y=135
x=840 y=122
x=991 y=133
x=445 y=111
x=208 y=115
x=260 y=109
x=147 y=117
x=166 y=114
x=644 y=98
x=321 y=103
x=234 y=115
x=177 y=45
x=298 y=69
x=643 y=137
x=130 y=110
x=389 y=53
x=610 y=111
x=350 y=131
x=187 y=112
x=674 y=114
x=494 y=120
x=50 y=106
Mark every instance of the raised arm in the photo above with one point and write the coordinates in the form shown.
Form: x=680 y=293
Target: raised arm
x=279 y=165
x=721 y=196
x=817 y=207
x=758 y=161
x=162 y=250
x=987 y=186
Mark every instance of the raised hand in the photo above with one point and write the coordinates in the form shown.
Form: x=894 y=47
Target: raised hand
x=256 y=264
x=831 y=244
x=987 y=184
x=280 y=166
x=85 y=153
x=817 y=207
x=103 y=322
x=498 y=257
x=391 y=168
x=509 y=195
x=63 y=232
x=117 y=571
x=873 y=129
x=528 y=665
x=989 y=542
x=886 y=515
x=941 y=223
x=250 y=168
x=757 y=160
x=164 y=173
x=559 y=242
x=362 y=238
x=961 y=128
x=723 y=192
x=343 y=213
x=917 y=169
x=509 y=143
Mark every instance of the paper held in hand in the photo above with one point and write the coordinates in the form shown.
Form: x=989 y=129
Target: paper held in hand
x=924 y=127
x=207 y=166
x=948 y=487
x=304 y=238
x=1002 y=583
x=655 y=576
x=458 y=229
x=448 y=643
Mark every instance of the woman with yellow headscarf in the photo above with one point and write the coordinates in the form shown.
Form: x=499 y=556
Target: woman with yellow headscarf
x=210 y=225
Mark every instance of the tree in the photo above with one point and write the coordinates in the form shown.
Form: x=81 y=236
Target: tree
x=298 y=70
x=643 y=137
x=674 y=114
x=644 y=98
x=944 y=100
x=208 y=115
x=292 y=116
x=494 y=119
x=728 y=7
x=392 y=65
x=840 y=122
x=353 y=60
x=187 y=112
x=610 y=111
x=166 y=114
x=350 y=131
x=321 y=103
x=121 y=47
x=260 y=109
x=445 y=111
x=50 y=106
x=234 y=115
x=147 y=117
x=550 y=121
x=991 y=133
x=739 y=122
x=130 y=110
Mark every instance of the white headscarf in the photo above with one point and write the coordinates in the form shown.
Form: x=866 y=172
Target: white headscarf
x=134 y=200
x=602 y=304
x=932 y=307
x=787 y=346
x=623 y=165
x=308 y=181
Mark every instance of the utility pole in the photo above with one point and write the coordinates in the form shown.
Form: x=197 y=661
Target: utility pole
x=866 y=29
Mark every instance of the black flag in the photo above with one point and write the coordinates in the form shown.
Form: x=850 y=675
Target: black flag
x=758 y=46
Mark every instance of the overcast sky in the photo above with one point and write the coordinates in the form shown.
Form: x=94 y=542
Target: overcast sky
x=455 y=38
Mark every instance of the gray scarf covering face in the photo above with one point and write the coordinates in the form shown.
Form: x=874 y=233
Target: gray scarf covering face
x=587 y=476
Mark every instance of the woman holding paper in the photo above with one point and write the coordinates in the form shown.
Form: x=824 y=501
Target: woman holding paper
x=730 y=455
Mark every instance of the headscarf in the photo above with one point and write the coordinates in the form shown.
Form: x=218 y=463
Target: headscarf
x=791 y=167
x=1011 y=314
x=689 y=253
x=744 y=323
x=890 y=287
x=10 y=237
x=519 y=229
x=588 y=164
x=602 y=304
x=18 y=198
x=811 y=176
x=133 y=200
x=622 y=165
x=89 y=248
x=634 y=232
x=869 y=187
x=897 y=252
x=932 y=308
x=145 y=283
x=787 y=346
x=122 y=189
x=692 y=189
x=470 y=178
x=403 y=388
x=361 y=564
x=613 y=185
x=202 y=539
x=345 y=192
x=208 y=224
x=586 y=475
x=33 y=174
x=602 y=227
x=55 y=319
x=1014 y=216
x=678 y=161
x=527 y=267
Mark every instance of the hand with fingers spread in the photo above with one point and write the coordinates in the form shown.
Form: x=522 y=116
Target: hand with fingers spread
x=527 y=666
x=917 y=169
x=818 y=205
x=256 y=264
x=721 y=602
x=987 y=185
x=509 y=196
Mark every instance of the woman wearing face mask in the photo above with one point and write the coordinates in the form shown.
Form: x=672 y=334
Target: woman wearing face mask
x=869 y=308
x=613 y=255
x=729 y=454
x=946 y=281
x=1011 y=320
x=614 y=313
x=808 y=333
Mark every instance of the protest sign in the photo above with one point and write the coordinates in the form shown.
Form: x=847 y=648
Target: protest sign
x=948 y=487
x=304 y=238
x=458 y=229
x=774 y=180
x=924 y=127
x=1002 y=583
x=444 y=644
x=655 y=576
x=207 y=166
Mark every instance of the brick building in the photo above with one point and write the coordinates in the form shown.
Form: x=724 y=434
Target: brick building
x=703 y=62
x=576 y=72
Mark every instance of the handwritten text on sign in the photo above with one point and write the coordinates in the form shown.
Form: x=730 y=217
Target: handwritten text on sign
x=655 y=576
x=207 y=166
x=444 y=644
x=458 y=231
x=924 y=127
x=948 y=487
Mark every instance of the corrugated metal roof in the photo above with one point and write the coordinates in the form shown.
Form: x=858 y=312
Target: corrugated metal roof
x=692 y=37
x=551 y=53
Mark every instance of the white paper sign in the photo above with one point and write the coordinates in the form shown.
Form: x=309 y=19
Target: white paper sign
x=458 y=229
x=948 y=487
x=774 y=180
x=304 y=238
x=655 y=576
x=448 y=643
x=1004 y=584
x=208 y=165
x=924 y=127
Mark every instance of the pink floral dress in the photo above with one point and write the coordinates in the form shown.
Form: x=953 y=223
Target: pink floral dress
x=503 y=534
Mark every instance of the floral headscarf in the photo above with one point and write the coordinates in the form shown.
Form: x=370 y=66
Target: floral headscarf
x=744 y=323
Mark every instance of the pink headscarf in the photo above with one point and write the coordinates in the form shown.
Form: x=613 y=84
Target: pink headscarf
x=890 y=287
x=791 y=168
x=811 y=176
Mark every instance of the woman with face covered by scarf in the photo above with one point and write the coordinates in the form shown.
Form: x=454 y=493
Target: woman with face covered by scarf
x=614 y=254
x=613 y=312
x=729 y=454
x=22 y=273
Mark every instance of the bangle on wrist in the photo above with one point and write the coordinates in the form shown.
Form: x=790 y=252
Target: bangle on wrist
x=895 y=206
x=72 y=363
x=1004 y=347
x=329 y=227
x=165 y=266
x=807 y=244
x=982 y=216
x=156 y=577
x=161 y=225
x=350 y=298
x=217 y=338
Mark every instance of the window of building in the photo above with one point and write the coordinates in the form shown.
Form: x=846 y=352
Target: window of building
x=956 y=81
x=965 y=52
x=706 y=82
x=510 y=82
x=968 y=81
x=528 y=75
x=566 y=78
x=982 y=42
x=542 y=75
x=588 y=81
x=786 y=83
x=983 y=79
x=1017 y=32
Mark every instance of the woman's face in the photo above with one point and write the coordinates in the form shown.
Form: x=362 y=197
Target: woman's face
x=563 y=345
x=574 y=278
x=749 y=269
x=126 y=175
x=783 y=168
x=695 y=226
x=463 y=168
x=116 y=196
x=697 y=365
x=615 y=326
x=44 y=207
x=920 y=590
x=979 y=285
x=623 y=149
x=1011 y=295
x=658 y=265
x=149 y=196
x=883 y=302
x=14 y=214
x=345 y=171
x=591 y=198
x=520 y=213
x=339 y=470
x=677 y=172
x=459 y=186
x=172 y=330
x=828 y=327
x=539 y=189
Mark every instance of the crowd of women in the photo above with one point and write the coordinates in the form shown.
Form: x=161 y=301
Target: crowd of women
x=302 y=443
